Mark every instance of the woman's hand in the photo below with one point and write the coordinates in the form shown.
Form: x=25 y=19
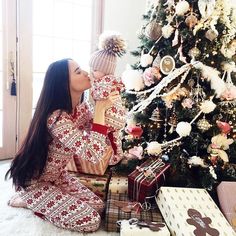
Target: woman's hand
x=107 y=103
x=103 y=105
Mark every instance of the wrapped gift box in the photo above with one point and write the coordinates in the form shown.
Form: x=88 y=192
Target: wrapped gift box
x=144 y=181
x=115 y=213
x=189 y=211
x=134 y=228
x=118 y=184
x=98 y=168
x=226 y=192
x=97 y=184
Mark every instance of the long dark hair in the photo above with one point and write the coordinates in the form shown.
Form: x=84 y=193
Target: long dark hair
x=30 y=160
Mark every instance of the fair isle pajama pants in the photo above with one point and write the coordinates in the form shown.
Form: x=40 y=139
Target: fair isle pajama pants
x=67 y=204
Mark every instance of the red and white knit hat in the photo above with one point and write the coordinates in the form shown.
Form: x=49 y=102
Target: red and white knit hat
x=111 y=46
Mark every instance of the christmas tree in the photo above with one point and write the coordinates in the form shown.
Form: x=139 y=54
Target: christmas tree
x=180 y=95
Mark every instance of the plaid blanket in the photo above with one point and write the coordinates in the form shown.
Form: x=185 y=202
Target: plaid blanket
x=114 y=213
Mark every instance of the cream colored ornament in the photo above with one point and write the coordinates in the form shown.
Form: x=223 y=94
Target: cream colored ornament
x=191 y=21
x=206 y=7
x=167 y=31
x=183 y=129
x=194 y=52
x=145 y=60
x=203 y=125
x=153 y=30
x=211 y=34
x=182 y=7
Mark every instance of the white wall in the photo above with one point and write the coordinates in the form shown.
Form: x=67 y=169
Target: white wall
x=125 y=16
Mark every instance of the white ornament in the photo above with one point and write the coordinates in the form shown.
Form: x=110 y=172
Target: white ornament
x=146 y=59
x=154 y=148
x=167 y=31
x=206 y=7
x=183 y=129
x=207 y=106
x=196 y=161
x=133 y=79
x=182 y=7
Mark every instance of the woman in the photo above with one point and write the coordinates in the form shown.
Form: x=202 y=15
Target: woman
x=60 y=129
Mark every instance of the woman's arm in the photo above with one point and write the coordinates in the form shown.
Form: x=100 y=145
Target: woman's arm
x=87 y=145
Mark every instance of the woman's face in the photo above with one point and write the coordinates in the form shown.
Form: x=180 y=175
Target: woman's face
x=79 y=79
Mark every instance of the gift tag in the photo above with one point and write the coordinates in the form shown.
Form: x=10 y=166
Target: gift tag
x=167 y=64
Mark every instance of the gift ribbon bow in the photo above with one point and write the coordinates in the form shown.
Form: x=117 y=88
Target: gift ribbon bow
x=127 y=206
x=154 y=226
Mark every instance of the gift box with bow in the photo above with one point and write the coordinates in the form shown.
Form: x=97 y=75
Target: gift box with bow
x=146 y=179
x=118 y=207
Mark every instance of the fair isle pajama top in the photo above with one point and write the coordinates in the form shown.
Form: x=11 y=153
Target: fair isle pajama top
x=56 y=196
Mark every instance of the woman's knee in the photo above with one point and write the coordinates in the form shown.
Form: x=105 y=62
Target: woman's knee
x=89 y=223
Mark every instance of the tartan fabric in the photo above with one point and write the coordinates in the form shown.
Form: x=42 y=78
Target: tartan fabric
x=113 y=213
x=97 y=184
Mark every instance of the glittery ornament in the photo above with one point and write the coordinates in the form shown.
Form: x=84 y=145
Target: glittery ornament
x=203 y=125
x=191 y=21
x=211 y=34
x=156 y=118
x=153 y=30
x=194 y=52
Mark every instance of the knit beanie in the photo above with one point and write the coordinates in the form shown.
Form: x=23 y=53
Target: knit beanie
x=111 y=46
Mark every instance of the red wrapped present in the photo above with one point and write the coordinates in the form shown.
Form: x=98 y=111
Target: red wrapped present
x=146 y=179
x=226 y=192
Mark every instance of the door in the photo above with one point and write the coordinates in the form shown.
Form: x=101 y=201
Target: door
x=8 y=108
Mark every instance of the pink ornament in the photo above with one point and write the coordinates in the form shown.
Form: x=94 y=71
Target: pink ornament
x=187 y=103
x=137 y=152
x=224 y=127
x=150 y=75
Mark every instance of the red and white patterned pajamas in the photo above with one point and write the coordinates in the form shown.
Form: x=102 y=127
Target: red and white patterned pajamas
x=56 y=196
x=115 y=116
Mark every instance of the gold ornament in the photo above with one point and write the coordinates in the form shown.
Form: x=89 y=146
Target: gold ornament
x=211 y=34
x=156 y=118
x=191 y=21
x=194 y=52
x=153 y=30
x=167 y=64
x=203 y=125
